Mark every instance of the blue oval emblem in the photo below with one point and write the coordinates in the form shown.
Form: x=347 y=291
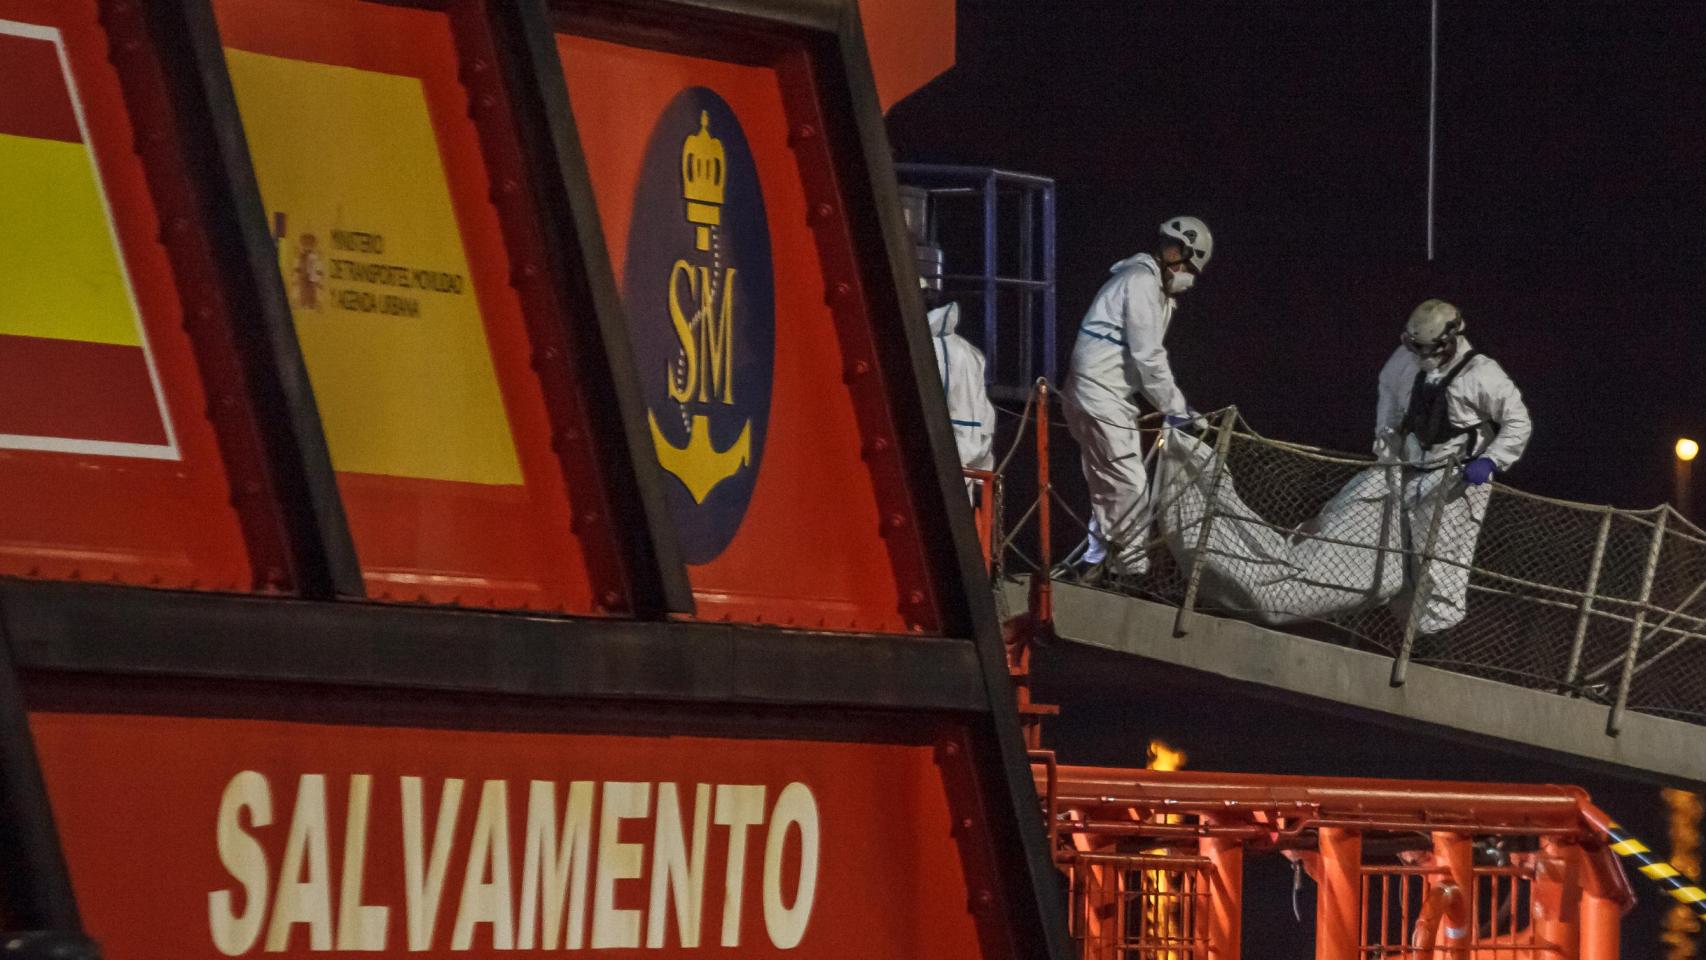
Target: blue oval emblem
x=700 y=297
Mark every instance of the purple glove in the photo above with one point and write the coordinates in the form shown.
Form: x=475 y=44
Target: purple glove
x=1478 y=471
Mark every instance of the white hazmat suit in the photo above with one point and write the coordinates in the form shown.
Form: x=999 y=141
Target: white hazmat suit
x=969 y=409
x=1486 y=407
x=1118 y=355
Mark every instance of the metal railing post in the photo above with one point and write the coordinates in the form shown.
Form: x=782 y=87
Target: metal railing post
x=1338 y=910
x=1027 y=295
x=1657 y=628
x=1042 y=599
x=1228 y=421
x=998 y=529
x=984 y=519
x=1557 y=894
x=1615 y=721
x=1573 y=672
x=1048 y=280
x=1455 y=853
x=1424 y=580
x=1224 y=913
x=991 y=210
x=1602 y=926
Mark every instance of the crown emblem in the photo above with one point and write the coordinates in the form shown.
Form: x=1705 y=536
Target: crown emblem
x=703 y=172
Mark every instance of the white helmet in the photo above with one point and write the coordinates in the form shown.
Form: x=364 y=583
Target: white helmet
x=1194 y=236
x=1433 y=329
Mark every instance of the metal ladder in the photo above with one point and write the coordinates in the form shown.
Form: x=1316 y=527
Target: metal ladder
x=1032 y=280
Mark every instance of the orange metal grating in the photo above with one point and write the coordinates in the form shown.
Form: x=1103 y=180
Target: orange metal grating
x=1501 y=923
x=1139 y=906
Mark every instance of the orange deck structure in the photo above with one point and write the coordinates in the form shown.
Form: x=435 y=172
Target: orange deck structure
x=1401 y=868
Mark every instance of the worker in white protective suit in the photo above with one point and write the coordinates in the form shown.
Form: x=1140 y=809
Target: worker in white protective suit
x=1454 y=419
x=961 y=365
x=969 y=409
x=1118 y=356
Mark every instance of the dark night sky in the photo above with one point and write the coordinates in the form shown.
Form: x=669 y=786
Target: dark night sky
x=1571 y=203
x=1571 y=229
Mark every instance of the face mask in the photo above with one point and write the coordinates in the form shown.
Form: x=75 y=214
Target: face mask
x=1437 y=360
x=1179 y=282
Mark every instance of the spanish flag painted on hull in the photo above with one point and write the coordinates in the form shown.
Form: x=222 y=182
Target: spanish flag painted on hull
x=75 y=372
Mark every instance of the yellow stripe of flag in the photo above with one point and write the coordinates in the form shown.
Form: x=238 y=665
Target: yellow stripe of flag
x=1689 y=894
x=1629 y=846
x=1658 y=871
x=59 y=269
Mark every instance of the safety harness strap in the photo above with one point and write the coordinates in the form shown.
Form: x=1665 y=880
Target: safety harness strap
x=1428 y=418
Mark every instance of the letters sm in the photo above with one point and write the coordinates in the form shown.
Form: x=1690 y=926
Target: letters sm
x=699 y=291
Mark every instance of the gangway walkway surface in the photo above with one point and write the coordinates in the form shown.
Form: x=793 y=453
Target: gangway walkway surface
x=1273 y=663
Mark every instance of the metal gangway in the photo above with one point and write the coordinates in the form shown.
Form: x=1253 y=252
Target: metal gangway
x=1600 y=606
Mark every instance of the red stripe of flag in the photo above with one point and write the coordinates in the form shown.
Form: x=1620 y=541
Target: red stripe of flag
x=34 y=101
x=77 y=390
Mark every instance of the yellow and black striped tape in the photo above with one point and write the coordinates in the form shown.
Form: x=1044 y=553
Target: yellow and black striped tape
x=1670 y=879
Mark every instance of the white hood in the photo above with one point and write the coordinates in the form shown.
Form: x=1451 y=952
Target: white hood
x=962 y=368
x=1142 y=259
x=944 y=319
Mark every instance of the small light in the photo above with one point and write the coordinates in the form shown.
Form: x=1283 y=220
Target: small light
x=1687 y=449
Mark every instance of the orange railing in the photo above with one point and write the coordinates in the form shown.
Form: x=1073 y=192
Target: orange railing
x=992 y=534
x=1403 y=869
x=986 y=482
x=1417 y=911
x=1144 y=906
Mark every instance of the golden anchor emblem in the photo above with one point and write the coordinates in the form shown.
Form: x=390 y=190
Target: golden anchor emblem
x=699 y=465
x=705 y=336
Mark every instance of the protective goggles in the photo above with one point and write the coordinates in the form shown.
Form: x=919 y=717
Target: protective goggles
x=1438 y=346
x=1186 y=264
x=1424 y=348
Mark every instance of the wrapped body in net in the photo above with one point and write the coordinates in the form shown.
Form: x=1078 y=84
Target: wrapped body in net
x=1347 y=557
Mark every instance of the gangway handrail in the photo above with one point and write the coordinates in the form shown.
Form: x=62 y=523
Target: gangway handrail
x=1245 y=430
x=1576 y=598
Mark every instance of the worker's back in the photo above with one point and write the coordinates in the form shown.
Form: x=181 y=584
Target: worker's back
x=962 y=368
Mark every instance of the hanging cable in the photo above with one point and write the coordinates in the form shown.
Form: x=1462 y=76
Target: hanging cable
x=1433 y=97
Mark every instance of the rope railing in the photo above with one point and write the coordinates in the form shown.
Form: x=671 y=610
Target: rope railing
x=1581 y=599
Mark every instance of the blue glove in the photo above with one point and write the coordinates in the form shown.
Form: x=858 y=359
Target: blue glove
x=1478 y=471
x=1187 y=419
